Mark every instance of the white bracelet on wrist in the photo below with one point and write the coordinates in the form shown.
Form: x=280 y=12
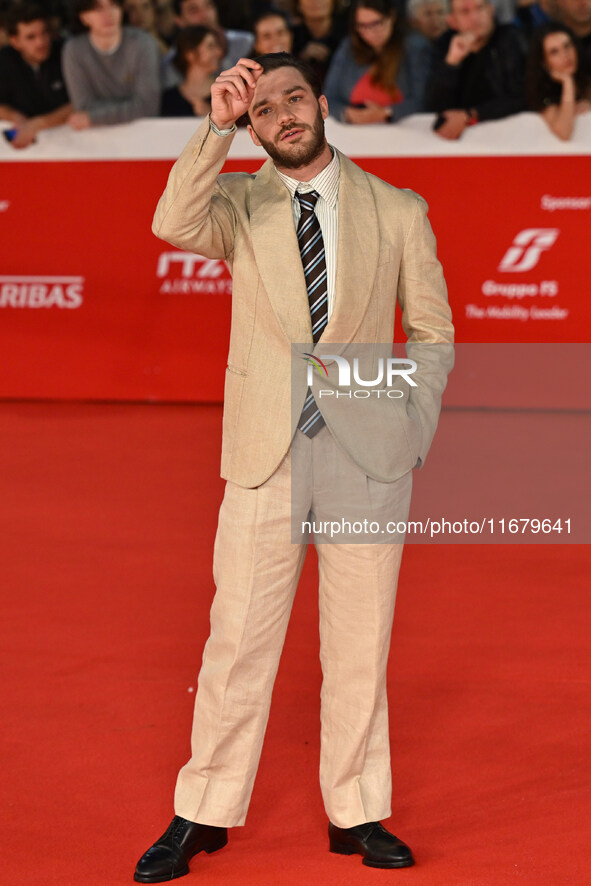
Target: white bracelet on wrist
x=221 y=131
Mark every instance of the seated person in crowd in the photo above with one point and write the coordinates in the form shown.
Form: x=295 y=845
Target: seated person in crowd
x=165 y=20
x=576 y=14
x=237 y=44
x=142 y=14
x=530 y=14
x=321 y=27
x=198 y=56
x=478 y=71
x=428 y=17
x=378 y=74
x=111 y=71
x=556 y=86
x=272 y=33
x=33 y=94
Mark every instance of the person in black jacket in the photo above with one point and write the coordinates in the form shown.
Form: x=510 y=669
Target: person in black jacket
x=478 y=70
x=576 y=14
x=33 y=94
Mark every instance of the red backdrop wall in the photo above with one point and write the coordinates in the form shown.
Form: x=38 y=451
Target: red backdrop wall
x=92 y=305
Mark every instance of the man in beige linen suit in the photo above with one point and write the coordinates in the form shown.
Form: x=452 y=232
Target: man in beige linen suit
x=379 y=249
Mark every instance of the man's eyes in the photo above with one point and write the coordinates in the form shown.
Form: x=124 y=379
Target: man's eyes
x=292 y=98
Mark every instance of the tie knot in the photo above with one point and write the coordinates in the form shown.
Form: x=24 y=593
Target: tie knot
x=308 y=201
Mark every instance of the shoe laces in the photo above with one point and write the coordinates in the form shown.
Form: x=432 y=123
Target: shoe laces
x=369 y=827
x=175 y=826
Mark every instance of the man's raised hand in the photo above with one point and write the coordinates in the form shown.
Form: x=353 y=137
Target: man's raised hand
x=233 y=91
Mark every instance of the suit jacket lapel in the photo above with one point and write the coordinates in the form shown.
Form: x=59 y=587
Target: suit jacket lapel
x=357 y=254
x=279 y=263
x=277 y=253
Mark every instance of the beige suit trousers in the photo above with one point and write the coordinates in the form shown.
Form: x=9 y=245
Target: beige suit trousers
x=256 y=570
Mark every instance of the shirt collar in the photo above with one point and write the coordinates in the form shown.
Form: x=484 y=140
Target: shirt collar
x=326 y=183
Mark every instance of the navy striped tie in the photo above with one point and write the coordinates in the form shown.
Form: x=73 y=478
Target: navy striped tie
x=314 y=262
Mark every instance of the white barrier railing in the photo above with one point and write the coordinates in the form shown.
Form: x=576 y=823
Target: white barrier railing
x=160 y=139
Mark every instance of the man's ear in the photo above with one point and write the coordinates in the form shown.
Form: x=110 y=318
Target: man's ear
x=451 y=21
x=254 y=136
x=83 y=18
x=322 y=101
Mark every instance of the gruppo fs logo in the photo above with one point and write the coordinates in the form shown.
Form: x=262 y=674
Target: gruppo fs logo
x=388 y=370
x=527 y=247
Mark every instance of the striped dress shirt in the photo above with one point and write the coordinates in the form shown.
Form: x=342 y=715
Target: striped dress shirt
x=326 y=184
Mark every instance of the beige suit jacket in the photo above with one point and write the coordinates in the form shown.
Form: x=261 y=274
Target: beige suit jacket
x=386 y=253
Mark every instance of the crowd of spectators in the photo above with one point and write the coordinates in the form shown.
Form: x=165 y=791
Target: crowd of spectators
x=94 y=62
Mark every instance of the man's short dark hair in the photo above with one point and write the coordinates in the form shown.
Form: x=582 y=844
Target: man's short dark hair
x=23 y=14
x=272 y=61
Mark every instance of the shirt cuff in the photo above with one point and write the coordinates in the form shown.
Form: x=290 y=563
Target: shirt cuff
x=221 y=132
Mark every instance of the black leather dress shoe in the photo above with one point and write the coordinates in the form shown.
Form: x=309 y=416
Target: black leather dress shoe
x=169 y=857
x=379 y=848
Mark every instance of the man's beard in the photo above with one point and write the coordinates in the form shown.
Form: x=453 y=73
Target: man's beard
x=299 y=155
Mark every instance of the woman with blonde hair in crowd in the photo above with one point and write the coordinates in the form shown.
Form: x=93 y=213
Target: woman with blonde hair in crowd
x=556 y=86
x=379 y=73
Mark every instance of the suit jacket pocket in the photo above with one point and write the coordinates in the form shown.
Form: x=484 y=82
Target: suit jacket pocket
x=233 y=391
x=385 y=255
x=235 y=370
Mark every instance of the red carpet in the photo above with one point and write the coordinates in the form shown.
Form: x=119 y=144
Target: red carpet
x=107 y=523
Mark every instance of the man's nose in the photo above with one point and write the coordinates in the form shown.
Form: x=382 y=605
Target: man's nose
x=285 y=113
